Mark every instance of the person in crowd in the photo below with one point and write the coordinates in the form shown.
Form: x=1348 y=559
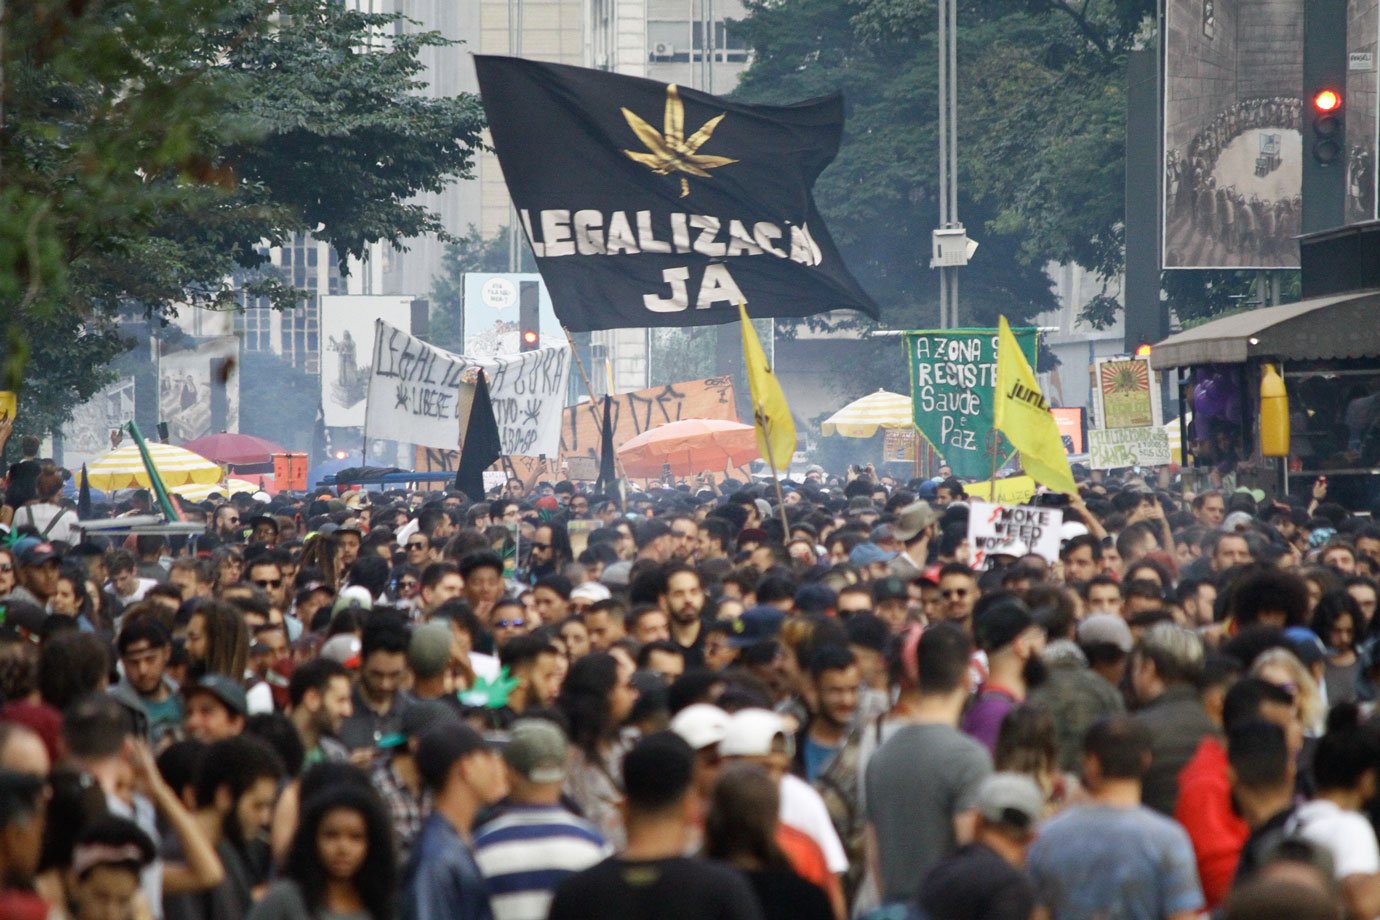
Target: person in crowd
x=1013 y=641
x=145 y=648
x=1164 y=669
x=534 y=842
x=741 y=831
x=986 y=879
x=463 y=774
x=912 y=827
x=596 y=698
x=341 y=863
x=319 y=702
x=110 y=855
x=651 y=875
x=378 y=700
x=1113 y=856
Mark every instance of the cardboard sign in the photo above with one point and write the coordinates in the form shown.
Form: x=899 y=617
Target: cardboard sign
x=1126 y=392
x=991 y=525
x=898 y=444
x=1109 y=450
x=639 y=410
x=952 y=375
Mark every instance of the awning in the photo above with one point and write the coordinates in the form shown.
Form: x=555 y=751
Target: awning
x=1324 y=328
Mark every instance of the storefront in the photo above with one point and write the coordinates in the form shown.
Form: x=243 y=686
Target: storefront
x=1328 y=351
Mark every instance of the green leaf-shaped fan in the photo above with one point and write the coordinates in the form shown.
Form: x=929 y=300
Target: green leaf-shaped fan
x=490 y=695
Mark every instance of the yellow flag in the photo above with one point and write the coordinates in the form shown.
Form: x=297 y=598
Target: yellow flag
x=775 y=427
x=1023 y=416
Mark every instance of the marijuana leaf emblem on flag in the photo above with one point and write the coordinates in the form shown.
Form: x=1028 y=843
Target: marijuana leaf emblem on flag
x=670 y=150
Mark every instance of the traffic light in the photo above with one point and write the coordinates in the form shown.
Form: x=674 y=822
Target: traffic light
x=529 y=316
x=1324 y=185
x=1327 y=126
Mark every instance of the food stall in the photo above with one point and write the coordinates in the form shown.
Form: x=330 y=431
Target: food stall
x=1327 y=351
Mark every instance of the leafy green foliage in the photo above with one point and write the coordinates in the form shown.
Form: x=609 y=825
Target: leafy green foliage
x=151 y=147
x=1041 y=142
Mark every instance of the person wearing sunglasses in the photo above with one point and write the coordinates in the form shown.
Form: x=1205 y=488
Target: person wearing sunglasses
x=419 y=550
x=958 y=592
x=8 y=572
x=267 y=574
x=509 y=619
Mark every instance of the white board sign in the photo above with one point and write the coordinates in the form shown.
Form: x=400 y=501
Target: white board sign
x=347 y=335
x=991 y=525
x=416 y=394
x=1109 y=450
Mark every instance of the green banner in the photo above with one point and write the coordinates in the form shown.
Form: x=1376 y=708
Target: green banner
x=952 y=375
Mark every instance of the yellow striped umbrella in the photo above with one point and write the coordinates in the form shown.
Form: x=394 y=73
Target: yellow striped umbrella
x=122 y=468
x=196 y=492
x=861 y=418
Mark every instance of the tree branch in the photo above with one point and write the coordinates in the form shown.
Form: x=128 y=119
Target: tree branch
x=1089 y=31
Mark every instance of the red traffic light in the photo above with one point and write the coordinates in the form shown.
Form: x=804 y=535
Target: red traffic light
x=1327 y=100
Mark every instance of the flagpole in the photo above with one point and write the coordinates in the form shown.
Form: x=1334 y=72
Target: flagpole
x=992 y=482
x=589 y=388
x=775 y=480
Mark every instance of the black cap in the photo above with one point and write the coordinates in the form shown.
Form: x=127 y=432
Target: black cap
x=21 y=619
x=1000 y=624
x=890 y=588
x=755 y=625
x=441 y=746
x=228 y=691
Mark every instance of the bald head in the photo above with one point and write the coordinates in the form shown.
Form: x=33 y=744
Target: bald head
x=23 y=751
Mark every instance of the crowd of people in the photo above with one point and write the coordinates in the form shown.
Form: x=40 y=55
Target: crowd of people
x=718 y=703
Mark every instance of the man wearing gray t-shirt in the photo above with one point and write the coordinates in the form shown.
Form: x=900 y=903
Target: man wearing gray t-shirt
x=1113 y=857
x=922 y=783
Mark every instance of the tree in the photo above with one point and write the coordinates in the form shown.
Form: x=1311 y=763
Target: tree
x=151 y=147
x=1041 y=143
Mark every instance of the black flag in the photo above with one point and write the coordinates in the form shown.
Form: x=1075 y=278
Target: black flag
x=83 y=497
x=607 y=474
x=481 y=446
x=650 y=204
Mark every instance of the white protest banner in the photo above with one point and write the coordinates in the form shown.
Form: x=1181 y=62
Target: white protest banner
x=1118 y=447
x=989 y=526
x=415 y=394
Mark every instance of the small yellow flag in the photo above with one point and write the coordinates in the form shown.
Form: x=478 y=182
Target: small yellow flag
x=1023 y=416
x=775 y=427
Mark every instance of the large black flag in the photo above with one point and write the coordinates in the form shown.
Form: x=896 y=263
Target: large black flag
x=482 y=444
x=649 y=204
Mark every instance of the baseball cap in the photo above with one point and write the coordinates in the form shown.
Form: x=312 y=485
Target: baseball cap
x=441 y=746
x=229 y=692
x=1070 y=529
x=1013 y=547
x=617 y=574
x=998 y=626
x=20 y=619
x=890 y=588
x=756 y=624
x=536 y=749
x=428 y=651
x=1012 y=799
x=815 y=598
x=1238 y=520
x=914 y=518
x=752 y=733
x=591 y=592
x=39 y=554
x=701 y=724
x=353 y=596
x=1105 y=629
x=867 y=553
x=343 y=648
x=419 y=717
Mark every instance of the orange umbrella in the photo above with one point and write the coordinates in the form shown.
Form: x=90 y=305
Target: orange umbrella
x=689 y=446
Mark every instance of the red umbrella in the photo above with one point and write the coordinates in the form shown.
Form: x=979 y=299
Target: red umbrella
x=690 y=446
x=234 y=449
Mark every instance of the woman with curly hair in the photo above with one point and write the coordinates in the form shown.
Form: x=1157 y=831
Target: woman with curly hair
x=596 y=698
x=340 y=865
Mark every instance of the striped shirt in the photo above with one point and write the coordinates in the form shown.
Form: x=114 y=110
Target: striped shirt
x=527 y=851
